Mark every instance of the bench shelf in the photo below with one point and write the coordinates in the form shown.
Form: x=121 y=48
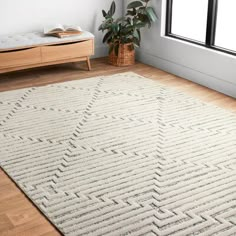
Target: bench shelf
x=23 y=56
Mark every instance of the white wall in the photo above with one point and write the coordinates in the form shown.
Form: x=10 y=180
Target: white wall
x=20 y=16
x=213 y=69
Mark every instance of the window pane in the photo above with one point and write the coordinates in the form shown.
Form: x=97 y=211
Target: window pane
x=189 y=18
x=225 y=28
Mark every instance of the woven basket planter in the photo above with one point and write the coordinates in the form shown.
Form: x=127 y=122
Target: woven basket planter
x=126 y=56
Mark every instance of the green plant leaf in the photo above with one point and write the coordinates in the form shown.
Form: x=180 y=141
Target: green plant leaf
x=143 y=18
x=132 y=13
x=107 y=36
x=112 y=9
x=128 y=19
x=127 y=29
x=151 y=14
x=139 y=34
x=120 y=19
x=136 y=34
x=104 y=13
x=109 y=40
x=100 y=27
x=140 y=25
x=141 y=10
x=115 y=28
x=135 y=4
x=136 y=41
x=104 y=26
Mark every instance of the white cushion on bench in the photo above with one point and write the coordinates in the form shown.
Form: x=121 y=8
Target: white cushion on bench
x=18 y=41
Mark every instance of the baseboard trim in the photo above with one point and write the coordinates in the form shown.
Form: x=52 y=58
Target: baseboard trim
x=198 y=77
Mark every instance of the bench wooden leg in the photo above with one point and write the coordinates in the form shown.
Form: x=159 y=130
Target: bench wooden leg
x=88 y=63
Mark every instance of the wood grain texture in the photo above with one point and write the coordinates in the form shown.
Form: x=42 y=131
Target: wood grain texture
x=20 y=58
x=89 y=63
x=66 y=51
x=18 y=216
x=46 y=55
x=62 y=61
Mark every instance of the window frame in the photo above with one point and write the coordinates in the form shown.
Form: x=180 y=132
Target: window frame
x=210 y=28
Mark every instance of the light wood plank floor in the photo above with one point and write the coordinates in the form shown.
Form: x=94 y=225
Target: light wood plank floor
x=18 y=216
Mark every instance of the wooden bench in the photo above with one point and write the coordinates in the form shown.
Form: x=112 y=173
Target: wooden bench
x=30 y=50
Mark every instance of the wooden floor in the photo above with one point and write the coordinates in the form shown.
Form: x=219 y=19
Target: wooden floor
x=18 y=216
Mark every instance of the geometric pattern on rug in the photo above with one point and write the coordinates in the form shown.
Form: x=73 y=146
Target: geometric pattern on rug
x=121 y=155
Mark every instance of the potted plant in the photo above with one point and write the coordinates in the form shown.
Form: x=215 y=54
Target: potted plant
x=123 y=34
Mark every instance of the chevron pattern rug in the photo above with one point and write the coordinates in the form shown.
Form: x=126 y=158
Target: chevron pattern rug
x=121 y=155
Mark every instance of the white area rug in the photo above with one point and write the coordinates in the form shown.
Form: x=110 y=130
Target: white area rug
x=121 y=155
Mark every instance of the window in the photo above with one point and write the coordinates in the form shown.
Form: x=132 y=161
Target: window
x=210 y=23
x=226 y=19
x=195 y=17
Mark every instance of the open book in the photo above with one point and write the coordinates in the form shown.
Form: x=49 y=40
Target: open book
x=62 y=30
